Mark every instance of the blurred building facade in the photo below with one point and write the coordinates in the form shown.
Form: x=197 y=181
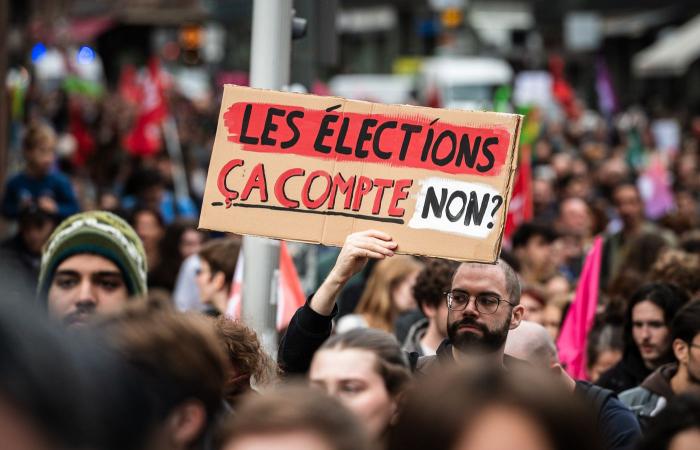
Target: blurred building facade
x=377 y=36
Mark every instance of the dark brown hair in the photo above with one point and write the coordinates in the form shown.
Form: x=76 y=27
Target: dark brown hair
x=222 y=255
x=392 y=364
x=441 y=410
x=245 y=355
x=679 y=268
x=433 y=281
x=292 y=409
x=178 y=354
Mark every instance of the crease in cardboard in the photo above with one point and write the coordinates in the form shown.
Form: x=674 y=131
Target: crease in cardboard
x=324 y=231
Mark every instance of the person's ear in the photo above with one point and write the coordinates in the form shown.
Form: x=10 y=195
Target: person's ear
x=680 y=350
x=186 y=423
x=396 y=404
x=428 y=310
x=219 y=280
x=517 y=316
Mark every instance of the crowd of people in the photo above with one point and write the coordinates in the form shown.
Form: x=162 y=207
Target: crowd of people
x=115 y=333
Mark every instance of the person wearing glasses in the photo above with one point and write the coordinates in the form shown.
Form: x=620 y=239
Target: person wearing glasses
x=483 y=305
x=673 y=379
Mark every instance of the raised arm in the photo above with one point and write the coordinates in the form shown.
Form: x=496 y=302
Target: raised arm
x=312 y=323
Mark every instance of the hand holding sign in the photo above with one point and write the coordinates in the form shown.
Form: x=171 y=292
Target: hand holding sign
x=356 y=251
x=318 y=169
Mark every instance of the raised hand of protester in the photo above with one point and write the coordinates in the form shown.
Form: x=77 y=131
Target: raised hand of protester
x=357 y=250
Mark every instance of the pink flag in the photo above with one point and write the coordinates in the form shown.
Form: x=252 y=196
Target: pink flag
x=579 y=320
x=655 y=187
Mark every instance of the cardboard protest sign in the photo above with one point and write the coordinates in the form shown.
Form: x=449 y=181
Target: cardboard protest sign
x=315 y=169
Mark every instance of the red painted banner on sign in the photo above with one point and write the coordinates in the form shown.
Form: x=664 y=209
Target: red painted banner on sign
x=400 y=141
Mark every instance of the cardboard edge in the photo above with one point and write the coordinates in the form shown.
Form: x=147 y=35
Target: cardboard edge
x=422 y=110
x=514 y=160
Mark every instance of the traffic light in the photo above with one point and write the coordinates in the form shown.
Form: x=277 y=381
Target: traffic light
x=191 y=42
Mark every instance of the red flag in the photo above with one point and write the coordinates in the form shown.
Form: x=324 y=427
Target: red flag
x=573 y=337
x=520 y=207
x=234 y=308
x=145 y=137
x=129 y=87
x=290 y=295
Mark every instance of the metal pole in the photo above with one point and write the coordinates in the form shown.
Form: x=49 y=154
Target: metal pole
x=269 y=69
x=4 y=97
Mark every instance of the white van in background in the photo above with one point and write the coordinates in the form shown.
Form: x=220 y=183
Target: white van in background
x=462 y=82
x=380 y=88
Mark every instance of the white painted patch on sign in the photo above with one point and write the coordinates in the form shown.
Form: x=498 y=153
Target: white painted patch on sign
x=463 y=208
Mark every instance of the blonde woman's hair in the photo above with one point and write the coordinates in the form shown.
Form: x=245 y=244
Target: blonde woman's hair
x=376 y=304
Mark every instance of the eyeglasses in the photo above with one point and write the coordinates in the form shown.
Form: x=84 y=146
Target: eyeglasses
x=484 y=303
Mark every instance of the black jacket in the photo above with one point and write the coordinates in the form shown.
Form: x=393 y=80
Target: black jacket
x=308 y=330
x=617 y=423
x=626 y=374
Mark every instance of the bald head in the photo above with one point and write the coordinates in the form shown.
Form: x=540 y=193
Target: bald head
x=531 y=341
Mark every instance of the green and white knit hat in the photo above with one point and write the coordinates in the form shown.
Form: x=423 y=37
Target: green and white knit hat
x=99 y=233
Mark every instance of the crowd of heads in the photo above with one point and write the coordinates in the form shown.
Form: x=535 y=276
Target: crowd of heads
x=116 y=331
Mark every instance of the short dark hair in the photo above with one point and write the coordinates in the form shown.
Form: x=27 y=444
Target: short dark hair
x=529 y=230
x=513 y=286
x=222 y=256
x=433 y=281
x=686 y=324
x=291 y=409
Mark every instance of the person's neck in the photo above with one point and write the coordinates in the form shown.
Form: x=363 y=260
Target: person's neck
x=681 y=382
x=432 y=337
x=220 y=301
x=152 y=255
x=474 y=358
x=33 y=172
x=632 y=228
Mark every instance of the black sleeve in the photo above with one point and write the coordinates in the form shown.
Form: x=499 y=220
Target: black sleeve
x=619 y=426
x=306 y=332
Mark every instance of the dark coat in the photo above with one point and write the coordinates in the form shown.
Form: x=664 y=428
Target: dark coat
x=626 y=374
x=308 y=330
x=617 y=423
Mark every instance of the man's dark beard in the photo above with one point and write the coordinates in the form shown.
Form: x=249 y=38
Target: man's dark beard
x=488 y=342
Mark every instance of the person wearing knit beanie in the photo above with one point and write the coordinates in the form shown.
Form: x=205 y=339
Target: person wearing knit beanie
x=92 y=264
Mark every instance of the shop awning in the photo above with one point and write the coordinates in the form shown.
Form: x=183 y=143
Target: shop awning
x=672 y=54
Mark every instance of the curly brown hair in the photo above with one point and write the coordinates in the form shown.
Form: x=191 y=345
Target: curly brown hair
x=246 y=356
x=433 y=280
x=678 y=267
